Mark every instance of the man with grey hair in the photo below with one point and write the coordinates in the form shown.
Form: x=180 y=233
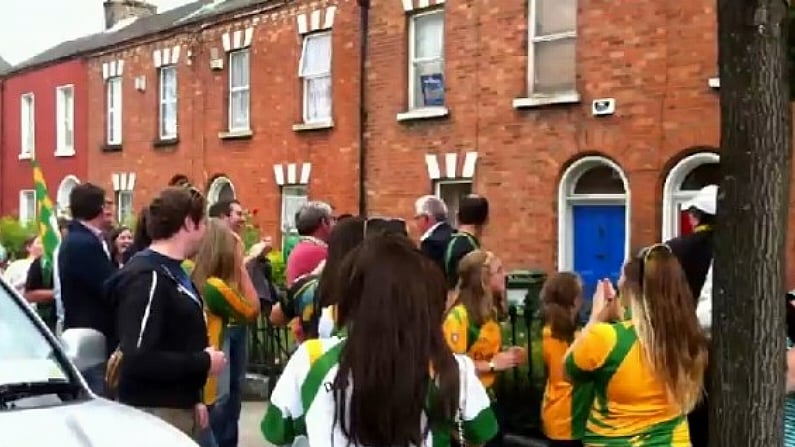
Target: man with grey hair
x=313 y=221
x=430 y=217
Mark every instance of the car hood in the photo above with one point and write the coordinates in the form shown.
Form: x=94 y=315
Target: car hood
x=94 y=423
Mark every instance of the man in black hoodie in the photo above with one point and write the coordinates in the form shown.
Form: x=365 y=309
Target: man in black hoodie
x=163 y=337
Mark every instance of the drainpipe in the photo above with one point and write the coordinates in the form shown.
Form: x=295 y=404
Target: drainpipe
x=364 y=24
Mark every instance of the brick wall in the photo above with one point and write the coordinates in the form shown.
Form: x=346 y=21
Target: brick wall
x=276 y=106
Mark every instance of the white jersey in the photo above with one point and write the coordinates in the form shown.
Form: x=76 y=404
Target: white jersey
x=301 y=405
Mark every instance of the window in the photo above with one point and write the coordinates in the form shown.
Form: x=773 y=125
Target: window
x=65 y=123
x=426 y=60
x=124 y=205
x=552 y=56
x=114 y=110
x=293 y=197
x=239 y=90
x=315 y=70
x=451 y=193
x=27 y=205
x=28 y=126
x=168 y=102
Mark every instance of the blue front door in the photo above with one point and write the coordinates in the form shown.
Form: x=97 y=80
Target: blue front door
x=599 y=232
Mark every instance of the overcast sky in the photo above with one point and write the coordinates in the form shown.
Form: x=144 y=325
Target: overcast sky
x=28 y=27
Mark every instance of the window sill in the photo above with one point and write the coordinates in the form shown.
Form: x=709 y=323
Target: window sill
x=26 y=156
x=540 y=100
x=67 y=152
x=242 y=134
x=165 y=142
x=111 y=147
x=316 y=125
x=423 y=114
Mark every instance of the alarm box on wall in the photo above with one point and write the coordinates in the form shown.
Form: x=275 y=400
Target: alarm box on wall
x=603 y=107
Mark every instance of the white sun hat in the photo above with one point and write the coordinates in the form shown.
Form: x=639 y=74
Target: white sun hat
x=705 y=200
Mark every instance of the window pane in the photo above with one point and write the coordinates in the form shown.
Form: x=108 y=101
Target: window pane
x=226 y=192
x=168 y=87
x=555 y=16
x=239 y=104
x=429 y=84
x=429 y=36
x=451 y=194
x=318 y=98
x=555 y=66
x=599 y=180
x=317 y=55
x=239 y=69
x=292 y=200
x=701 y=176
x=69 y=117
x=168 y=123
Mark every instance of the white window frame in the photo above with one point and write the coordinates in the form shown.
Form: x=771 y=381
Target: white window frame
x=412 y=60
x=113 y=110
x=452 y=215
x=64 y=117
x=27 y=126
x=532 y=39
x=290 y=191
x=24 y=196
x=163 y=102
x=121 y=212
x=307 y=79
x=240 y=89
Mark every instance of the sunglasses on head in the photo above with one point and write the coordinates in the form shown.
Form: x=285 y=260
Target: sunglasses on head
x=645 y=253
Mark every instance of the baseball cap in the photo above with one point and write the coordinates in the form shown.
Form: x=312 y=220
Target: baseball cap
x=705 y=200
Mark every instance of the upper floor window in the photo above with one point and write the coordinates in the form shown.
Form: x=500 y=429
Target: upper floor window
x=113 y=104
x=239 y=119
x=168 y=102
x=552 y=47
x=426 y=60
x=315 y=70
x=27 y=126
x=65 y=123
x=27 y=205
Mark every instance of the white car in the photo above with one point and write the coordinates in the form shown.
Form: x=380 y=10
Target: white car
x=45 y=402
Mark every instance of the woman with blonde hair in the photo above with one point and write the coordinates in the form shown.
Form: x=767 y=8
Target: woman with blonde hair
x=219 y=273
x=472 y=325
x=565 y=407
x=644 y=355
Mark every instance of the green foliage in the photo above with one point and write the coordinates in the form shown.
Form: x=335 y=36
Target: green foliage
x=13 y=235
x=251 y=231
x=279 y=269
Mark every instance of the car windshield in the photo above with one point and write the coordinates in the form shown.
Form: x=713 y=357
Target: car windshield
x=27 y=357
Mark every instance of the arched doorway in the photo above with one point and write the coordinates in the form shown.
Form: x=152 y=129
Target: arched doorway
x=62 y=196
x=593 y=220
x=221 y=188
x=682 y=183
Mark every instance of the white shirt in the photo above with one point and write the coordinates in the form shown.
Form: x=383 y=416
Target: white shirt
x=429 y=231
x=704 y=305
x=17 y=273
x=286 y=404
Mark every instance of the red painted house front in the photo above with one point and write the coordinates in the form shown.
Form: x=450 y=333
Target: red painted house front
x=44 y=115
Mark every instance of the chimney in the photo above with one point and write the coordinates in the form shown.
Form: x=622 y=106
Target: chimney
x=118 y=10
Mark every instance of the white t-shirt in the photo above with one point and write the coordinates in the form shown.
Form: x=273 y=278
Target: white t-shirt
x=17 y=273
x=286 y=417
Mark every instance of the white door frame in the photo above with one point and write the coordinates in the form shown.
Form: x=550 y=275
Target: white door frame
x=672 y=190
x=567 y=198
x=215 y=188
x=61 y=192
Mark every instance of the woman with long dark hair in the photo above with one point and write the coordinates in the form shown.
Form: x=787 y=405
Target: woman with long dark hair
x=141 y=239
x=392 y=381
x=120 y=240
x=645 y=355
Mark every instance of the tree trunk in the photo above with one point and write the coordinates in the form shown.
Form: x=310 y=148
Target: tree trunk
x=748 y=351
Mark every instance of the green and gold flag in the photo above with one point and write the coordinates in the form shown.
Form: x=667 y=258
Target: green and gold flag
x=48 y=222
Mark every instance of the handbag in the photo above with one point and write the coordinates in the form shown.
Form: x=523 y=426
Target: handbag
x=112 y=373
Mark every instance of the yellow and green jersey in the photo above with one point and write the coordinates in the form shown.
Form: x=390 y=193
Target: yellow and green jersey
x=632 y=407
x=565 y=407
x=479 y=343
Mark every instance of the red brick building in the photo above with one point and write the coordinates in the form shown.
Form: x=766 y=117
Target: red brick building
x=44 y=117
x=247 y=99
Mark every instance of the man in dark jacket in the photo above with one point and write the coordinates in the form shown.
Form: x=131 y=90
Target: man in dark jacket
x=694 y=252
x=163 y=337
x=430 y=216
x=83 y=266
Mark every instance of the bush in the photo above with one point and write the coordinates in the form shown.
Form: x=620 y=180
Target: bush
x=279 y=269
x=13 y=235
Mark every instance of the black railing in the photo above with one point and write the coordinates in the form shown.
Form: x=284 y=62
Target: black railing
x=269 y=348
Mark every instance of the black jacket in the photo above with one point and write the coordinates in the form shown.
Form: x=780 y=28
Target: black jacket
x=83 y=268
x=694 y=252
x=162 y=336
x=435 y=244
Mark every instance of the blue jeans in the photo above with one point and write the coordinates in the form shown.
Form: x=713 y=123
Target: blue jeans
x=206 y=437
x=95 y=379
x=227 y=409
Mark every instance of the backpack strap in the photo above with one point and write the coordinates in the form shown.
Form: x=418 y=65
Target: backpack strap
x=317 y=373
x=448 y=253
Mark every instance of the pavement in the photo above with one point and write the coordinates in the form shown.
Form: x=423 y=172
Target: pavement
x=250 y=418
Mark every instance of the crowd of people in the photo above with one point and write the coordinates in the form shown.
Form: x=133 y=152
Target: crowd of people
x=398 y=341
